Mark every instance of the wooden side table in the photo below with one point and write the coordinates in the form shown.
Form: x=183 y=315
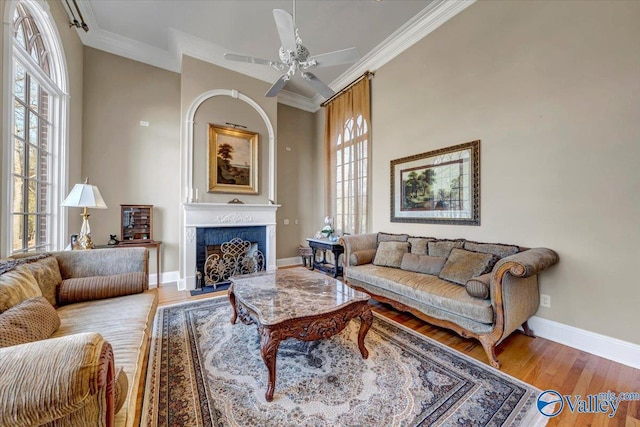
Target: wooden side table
x=326 y=245
x=150 y=244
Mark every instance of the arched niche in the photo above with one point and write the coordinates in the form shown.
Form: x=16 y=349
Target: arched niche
x=188 y=144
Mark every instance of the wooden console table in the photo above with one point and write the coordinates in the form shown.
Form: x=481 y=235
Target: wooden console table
x=326 y=245
x=152 y=244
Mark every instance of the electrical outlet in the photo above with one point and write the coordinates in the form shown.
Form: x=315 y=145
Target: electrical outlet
x=545 y=301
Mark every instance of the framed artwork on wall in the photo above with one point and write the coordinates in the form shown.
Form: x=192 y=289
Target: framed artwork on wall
x=233 y=160
x=437 y=187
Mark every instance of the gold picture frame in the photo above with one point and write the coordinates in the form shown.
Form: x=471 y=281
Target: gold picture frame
x=438 y=187
x=233 y=160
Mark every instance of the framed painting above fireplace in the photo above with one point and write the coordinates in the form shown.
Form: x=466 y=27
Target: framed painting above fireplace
x=233 y=160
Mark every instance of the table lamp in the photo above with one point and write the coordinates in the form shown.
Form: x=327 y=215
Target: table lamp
x=85 y=196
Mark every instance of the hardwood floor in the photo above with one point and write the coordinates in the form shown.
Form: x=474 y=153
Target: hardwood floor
x=536 y=361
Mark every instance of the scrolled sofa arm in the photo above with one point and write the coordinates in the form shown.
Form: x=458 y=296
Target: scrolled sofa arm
x=358 y=242
x=527 y=263
x=57 y=379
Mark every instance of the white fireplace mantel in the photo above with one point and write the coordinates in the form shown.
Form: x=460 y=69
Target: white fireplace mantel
x=208 y=215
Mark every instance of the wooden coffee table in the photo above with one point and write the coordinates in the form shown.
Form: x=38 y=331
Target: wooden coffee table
x=296 y=303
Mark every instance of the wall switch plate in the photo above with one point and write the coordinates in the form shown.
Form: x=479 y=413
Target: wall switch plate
x=144 y=123
x=545 y=301
x=286 y=222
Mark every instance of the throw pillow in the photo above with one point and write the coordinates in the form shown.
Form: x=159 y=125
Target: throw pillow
x=462 y=265
x=121 y=388
x=497 y=249
x=99 y=287
x=362 y=257
x=478 y=287
x=31 y=320
x=423 y=263
x=389 y=254
x=16 y=286
x=419 y=245
x=47 y=275
x=388 y=237
x=444 y=247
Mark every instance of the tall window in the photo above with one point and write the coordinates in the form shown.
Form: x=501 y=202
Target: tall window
x=348 y=140
x=32 y=170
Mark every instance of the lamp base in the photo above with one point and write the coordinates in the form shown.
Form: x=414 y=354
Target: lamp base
x=84 y=239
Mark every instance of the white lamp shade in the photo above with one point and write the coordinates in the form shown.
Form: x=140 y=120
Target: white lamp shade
x=85 y=196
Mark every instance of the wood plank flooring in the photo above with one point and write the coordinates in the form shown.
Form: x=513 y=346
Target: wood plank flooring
x=536 y=361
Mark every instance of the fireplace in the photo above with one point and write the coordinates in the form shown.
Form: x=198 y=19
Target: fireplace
x=215 y=223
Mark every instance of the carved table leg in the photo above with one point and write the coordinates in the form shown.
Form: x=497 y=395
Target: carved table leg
x=269 y=343
x=232 y=300
x=366 y=319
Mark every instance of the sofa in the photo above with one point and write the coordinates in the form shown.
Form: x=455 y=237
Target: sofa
x=74 y=337
x=479 y=290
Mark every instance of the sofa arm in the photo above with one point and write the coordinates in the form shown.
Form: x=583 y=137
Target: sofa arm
x=358 y=242
x=528 y=263
x=102 y=262
x=57 y=379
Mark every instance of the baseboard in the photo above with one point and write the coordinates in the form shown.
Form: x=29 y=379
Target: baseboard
x=166 y=277
x=285 y=262
x=601 y=345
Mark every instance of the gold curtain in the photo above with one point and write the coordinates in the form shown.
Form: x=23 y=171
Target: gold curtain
x=348 y=116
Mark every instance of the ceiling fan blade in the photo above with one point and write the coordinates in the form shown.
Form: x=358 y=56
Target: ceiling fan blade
x=277 y=86
x=286 y=29
x=318 y=85
x=344 y=56
x=249 y=59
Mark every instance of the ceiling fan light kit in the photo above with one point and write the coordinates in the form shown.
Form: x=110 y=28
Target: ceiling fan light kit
x=294 y=56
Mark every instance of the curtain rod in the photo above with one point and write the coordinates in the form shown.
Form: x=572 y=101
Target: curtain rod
x=367 y=74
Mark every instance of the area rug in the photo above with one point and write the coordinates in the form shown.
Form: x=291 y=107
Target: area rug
x=204 y=371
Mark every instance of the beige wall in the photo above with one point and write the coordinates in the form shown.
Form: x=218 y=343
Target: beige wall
x=553 y=91
x=130 y=163
x=295 y=182
x=199 y=77
x=73 y=53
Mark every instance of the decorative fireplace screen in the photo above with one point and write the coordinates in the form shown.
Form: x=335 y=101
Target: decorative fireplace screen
x=237 y=257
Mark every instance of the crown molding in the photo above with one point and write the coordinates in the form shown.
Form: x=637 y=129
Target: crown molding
x=427 y=20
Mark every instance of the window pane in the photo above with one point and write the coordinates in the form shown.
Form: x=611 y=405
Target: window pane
x=34 y=94
x=20 y=36
x=31 y=231
x=33 y=128
x=32 y=199
x=33 y=162
x=43 y=191
x=19 y=119
x=18 y=191
x=18 y=157
x=19 y=86
x=18 y=232
x=44 y=167
x=42 y=230
x=44 y=103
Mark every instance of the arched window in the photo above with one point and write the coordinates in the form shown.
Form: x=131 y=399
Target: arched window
x=34 y=175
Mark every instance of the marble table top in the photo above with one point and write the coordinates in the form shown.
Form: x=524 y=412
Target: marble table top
x=292 y=293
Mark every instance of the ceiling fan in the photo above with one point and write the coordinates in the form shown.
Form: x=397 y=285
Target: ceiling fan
x=295 y=57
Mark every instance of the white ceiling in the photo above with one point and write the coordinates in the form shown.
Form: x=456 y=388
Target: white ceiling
x=158 y=32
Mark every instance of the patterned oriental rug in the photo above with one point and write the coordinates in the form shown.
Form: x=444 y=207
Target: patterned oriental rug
x=204 y=371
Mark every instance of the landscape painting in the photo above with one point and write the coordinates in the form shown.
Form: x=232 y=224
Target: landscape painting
x=233 y=160
x=441 y=186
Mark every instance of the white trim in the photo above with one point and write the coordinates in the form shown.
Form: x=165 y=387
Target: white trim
x=286 y=262
x=427 y=20
x=297 y=101
x=601 y=345
x=166 y=277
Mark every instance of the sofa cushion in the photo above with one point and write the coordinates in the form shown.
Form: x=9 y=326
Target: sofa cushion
x=99 y=287
x=496 y=249
x=16 y=286
x=389 y=254
x=426 y=289
x=47 y=275
x=443 y=247
x=388 y=237
x=362 y=257
x=31 y=320
x=422 y=263
x=479 y=287
x=419 y=245
x=462 y=265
